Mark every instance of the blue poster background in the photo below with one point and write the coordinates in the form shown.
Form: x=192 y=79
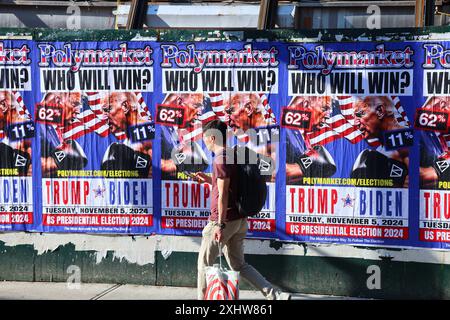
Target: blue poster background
x=433 y=101
x=343 y=150
x=95 y=139
x=214 y=104
x=303 y=206
x=17 y=88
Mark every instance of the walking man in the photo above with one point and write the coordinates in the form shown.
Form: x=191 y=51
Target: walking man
x=226 y=227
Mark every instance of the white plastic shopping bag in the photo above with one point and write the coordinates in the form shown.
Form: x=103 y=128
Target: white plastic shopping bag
x=221 y=284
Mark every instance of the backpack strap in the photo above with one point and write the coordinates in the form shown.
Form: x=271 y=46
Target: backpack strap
x=224 y=153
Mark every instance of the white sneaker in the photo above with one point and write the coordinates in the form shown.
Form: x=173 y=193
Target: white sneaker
x=282 y=295
x=275 y=294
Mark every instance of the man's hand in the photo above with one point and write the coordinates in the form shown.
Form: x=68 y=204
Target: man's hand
x=48 y=165
x=218 y=234
x=202 y=177
x=293 y=172
x=167 y=165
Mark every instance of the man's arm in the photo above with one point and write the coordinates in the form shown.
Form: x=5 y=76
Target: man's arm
x=222 y=186
x=202 y=177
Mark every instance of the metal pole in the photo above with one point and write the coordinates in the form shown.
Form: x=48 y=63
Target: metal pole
x=267 y=14
x=136 y=14
x=429 y=12
x=272 y=15
x=420 y=9
x=263 y=12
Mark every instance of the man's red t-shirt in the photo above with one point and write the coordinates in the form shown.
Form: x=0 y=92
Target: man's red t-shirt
x=222 y=169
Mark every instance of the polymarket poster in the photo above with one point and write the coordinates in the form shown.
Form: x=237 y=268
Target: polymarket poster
x=432 y=121
x=349 y=133
x=94 y=118
x=237 y=83
x=17 y=132
x=105 y=137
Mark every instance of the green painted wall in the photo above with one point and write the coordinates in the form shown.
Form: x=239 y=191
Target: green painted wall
x=326 y=275
x=305 y=274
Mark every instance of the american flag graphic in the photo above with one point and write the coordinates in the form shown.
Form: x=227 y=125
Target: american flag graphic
x=21 y=110
x=434 y=103
x=92 y=119
x=341 y=123
x=209 y=112
x=400 y=114
x=338 y=126
x=216 y=110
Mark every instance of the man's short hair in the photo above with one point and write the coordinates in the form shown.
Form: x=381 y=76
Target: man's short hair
x=216 y=127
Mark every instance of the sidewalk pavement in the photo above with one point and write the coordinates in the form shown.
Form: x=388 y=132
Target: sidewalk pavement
x=11 y=290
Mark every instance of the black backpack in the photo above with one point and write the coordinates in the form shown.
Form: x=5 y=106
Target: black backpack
x=252 y=190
